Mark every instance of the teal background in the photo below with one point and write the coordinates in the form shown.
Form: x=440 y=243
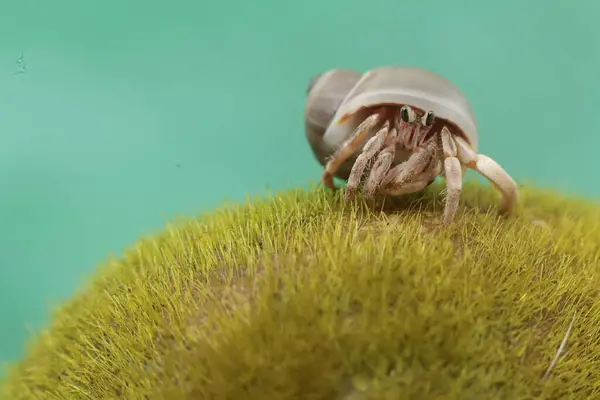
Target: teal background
x=133 y=112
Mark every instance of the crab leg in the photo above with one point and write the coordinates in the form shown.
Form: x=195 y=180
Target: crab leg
x=412 y=187
x=406 y=172
x=382 y=165
x=380 y=168
x=453 y=172
x=422 y=167
x=371 y=148
x=348 y=148
x=411 y=136
x=419 y=183
x=492 y=171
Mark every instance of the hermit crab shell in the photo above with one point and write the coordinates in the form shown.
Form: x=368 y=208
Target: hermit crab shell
x=346 y=98
x=326 y=92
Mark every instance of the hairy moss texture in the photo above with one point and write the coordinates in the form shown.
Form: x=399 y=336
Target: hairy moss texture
x=300 y=296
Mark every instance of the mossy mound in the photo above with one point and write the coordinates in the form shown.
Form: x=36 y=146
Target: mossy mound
x=300 y=296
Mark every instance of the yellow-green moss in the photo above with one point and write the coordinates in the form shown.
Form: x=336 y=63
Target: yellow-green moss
x=299 y=296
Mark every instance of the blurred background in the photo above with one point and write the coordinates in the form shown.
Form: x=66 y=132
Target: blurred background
x=118 y=115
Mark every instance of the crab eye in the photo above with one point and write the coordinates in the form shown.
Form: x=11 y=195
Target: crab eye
x=428 y=118
x=407 y=114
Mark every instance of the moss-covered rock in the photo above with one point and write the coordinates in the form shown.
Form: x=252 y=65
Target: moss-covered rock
x=300 y=296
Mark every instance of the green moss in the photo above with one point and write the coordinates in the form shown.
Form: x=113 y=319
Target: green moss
x=299 y=296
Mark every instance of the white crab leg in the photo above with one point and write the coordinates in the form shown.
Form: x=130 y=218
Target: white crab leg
x=419 y=183
x=371 y=148
x=384 y=161
x=380 y=168
x=492 y=171
x=418 y=161
x=453 y=172
x=411 y=187
x=348 y=148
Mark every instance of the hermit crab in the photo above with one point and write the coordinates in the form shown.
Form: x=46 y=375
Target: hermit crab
x=409 y=125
